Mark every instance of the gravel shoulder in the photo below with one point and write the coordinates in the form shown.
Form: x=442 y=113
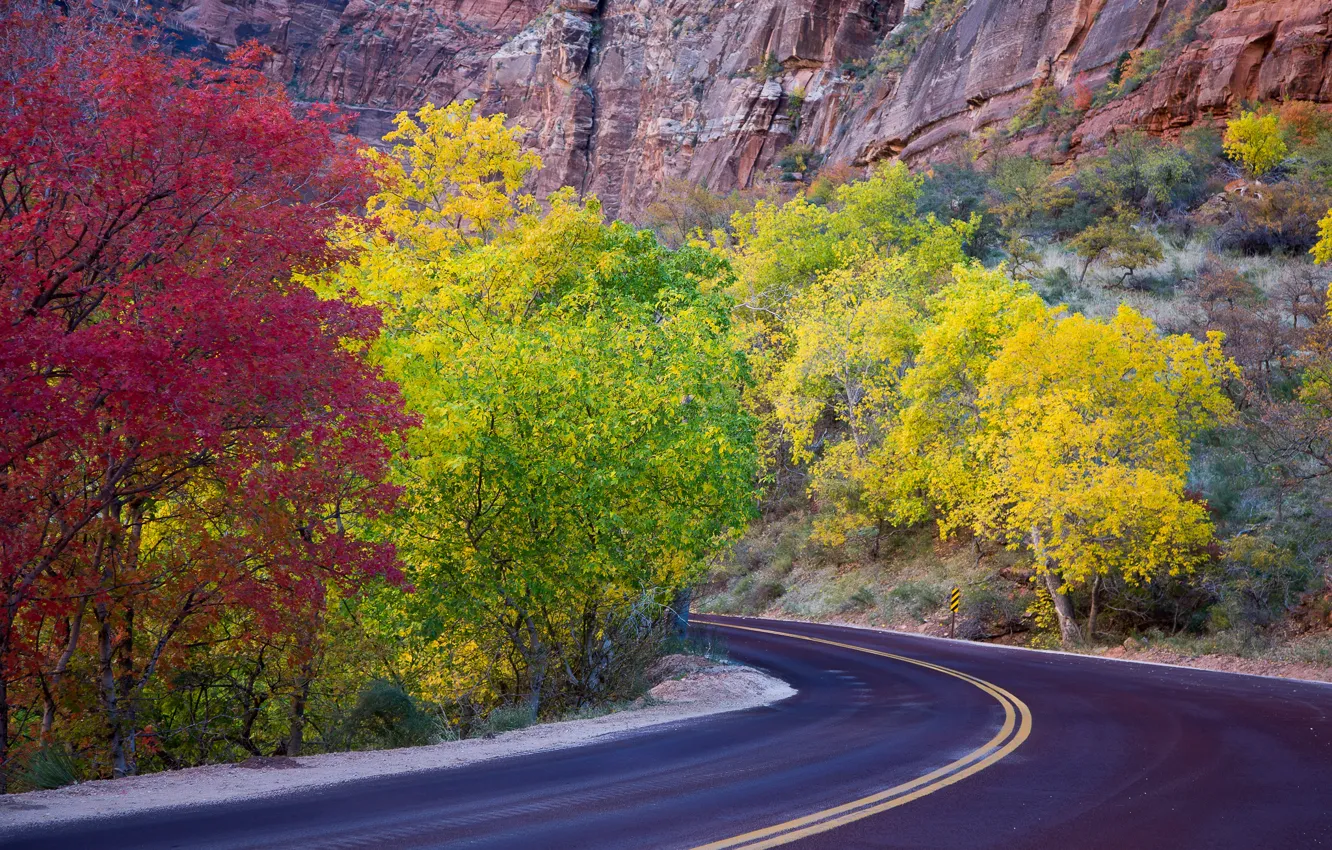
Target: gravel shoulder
x=1141 y=653
x=690 y=688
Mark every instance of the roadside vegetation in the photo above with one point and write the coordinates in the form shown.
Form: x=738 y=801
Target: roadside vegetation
x=312 y=448
x=990 y=425
x=309 y=447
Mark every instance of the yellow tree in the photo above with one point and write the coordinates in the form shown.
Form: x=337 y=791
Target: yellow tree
x=1255 y=141
x=929 y=465
x=850 y=338
x=827 y=302
x=1088 y=431
x=450 y=177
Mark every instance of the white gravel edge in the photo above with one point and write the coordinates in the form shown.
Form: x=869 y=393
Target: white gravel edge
x=711 y=691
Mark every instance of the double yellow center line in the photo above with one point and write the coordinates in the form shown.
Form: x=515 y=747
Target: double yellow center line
x=1015 y=729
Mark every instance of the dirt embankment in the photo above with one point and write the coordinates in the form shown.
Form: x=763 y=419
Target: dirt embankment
x=688 y=687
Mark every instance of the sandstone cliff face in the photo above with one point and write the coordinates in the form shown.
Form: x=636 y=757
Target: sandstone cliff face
x=619 y=95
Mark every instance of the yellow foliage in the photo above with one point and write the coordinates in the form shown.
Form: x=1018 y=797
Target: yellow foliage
x=1255 y=141
x=450 y=178
x=1322 y=250
x=931 y=456
x=1089 y=426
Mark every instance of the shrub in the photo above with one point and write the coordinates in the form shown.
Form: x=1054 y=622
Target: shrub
x=1303 y=122
x=49 y=768
x=386 y=716
x=1280 y=219
x=1039 y=110
x=1144 y=173
x=1255 y=142
x=1133 y=69
x=507 y=718
x=897 y=48
x=1263 y=581
x=914 y=599
x=797 y=158
x=953 y=192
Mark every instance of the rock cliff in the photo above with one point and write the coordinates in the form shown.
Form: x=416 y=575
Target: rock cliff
x=619 y=95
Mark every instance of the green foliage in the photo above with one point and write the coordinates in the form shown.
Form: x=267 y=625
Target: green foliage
x=952 y=192
x=1118 y=242
x=51 y=767
x=899 y=46
x=581 y=449
x=507 y=718
x=1027 y=199
x=915 y=600
x=1142 y=173
x=1042 y=106
x=386 y=716
x=1264 y=581
x=1132 y=70
x=797 y=158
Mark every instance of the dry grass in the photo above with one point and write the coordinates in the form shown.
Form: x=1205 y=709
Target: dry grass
x=778 y=571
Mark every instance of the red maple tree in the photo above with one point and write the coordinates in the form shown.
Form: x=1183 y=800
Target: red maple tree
x=182 y=427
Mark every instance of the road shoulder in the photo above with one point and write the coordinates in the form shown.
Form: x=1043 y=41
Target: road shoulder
x=712 y=689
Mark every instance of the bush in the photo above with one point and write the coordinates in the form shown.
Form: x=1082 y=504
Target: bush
x=797 y=158
x=1255 y=141
x=1262 y=582
x=49 y=768
x=1042 y=107
x=952 y=192
x=1131 y=71
x=914 y=599
x=1145 y=174
x=385 y=717
x=506 y=718
x=1279 y=219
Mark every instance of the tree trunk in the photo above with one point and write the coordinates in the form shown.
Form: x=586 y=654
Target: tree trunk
x=680 y=610
x=74 y=627
x=107 y=685
x=4 y=734
x=1091 y=616
x=299 y=699
x=296 y=729
x=1068 y=626
x=128 y=693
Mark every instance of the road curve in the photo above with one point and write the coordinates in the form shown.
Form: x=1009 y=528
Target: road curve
x=893 y=741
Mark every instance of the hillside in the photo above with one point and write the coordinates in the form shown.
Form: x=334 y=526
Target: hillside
x=621 y=96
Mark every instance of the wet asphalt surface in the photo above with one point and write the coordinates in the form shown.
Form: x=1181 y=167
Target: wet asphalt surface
x=1119 y=756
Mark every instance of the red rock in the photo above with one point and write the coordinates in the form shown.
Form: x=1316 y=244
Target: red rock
x=619 y=95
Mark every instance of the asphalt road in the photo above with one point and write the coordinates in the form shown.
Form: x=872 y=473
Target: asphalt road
x=918 y=743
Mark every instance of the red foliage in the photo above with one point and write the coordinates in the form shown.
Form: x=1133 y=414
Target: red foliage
x=158 y=368
x=1082 y=94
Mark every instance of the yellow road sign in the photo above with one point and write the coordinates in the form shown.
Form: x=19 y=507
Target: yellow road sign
x=955 y=600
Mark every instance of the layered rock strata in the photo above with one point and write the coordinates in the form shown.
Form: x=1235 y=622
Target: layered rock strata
x=621 y=95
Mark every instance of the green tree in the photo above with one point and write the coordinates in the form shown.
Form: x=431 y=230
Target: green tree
x=1119 y=242
x=582 y=449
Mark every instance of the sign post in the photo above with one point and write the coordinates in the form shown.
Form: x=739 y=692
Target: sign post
x=954 y=603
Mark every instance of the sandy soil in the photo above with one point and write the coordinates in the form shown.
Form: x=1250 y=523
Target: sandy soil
x=1225 y=663
x=691 y=688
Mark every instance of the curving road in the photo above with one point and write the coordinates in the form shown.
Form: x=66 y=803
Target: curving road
x=893 y=741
